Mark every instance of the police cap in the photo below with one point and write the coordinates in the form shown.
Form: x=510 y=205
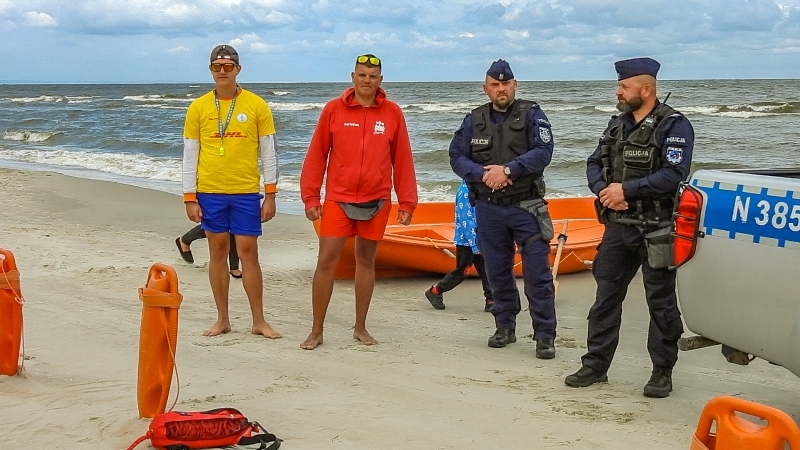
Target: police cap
x=500 y=70
x=636 y=66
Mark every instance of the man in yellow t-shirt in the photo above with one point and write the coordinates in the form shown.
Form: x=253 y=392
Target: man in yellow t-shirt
x=228 y=131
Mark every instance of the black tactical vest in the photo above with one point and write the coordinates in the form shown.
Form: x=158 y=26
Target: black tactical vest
x=500 y=144
x=636 y=157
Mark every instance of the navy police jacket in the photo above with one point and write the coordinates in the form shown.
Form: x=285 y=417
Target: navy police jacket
x=540 y=144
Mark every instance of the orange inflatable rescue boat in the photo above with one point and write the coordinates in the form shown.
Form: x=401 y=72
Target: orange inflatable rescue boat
x=10 y=315
x=426 y=246
x=157 y=339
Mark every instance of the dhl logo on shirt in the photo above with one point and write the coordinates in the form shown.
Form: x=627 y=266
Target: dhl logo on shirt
x=229 y=134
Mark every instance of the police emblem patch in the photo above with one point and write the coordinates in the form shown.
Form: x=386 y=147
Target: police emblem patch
x=674 y=155
x=544 y=134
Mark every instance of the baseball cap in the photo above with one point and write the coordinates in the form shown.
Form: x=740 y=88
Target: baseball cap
x=224 y=51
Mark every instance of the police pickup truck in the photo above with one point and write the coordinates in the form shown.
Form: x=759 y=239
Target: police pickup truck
x=736 y=243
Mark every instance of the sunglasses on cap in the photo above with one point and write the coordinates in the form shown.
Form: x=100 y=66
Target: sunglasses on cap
x=363 y=59
x=216 y=67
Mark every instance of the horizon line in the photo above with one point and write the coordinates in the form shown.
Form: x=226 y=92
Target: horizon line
x=21 y=82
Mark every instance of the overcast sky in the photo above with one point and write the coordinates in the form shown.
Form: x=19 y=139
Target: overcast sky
x=418 y=40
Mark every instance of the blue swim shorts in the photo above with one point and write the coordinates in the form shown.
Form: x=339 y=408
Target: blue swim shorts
x=235 y=213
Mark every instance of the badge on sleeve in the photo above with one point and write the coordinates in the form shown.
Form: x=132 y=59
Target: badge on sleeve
x=544 y=134
x=674 y=155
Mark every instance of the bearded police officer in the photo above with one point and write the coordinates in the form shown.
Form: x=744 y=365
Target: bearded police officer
x=642 y=156
x=501 y=150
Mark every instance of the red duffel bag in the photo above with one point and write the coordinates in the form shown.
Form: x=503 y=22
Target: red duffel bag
x=207 y=429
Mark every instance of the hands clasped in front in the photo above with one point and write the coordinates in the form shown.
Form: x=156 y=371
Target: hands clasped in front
x=495 y=178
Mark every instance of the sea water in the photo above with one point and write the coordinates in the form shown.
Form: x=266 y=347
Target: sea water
x=134 y=133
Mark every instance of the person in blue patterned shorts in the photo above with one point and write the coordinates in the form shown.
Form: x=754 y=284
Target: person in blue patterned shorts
x=467 y=254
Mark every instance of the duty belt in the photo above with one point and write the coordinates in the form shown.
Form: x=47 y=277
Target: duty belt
x=633 y=219
x=509 y=200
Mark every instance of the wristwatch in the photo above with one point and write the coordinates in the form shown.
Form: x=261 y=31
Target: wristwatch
x=507 y=171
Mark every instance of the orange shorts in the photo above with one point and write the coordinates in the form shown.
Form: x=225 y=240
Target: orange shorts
x=335 y=223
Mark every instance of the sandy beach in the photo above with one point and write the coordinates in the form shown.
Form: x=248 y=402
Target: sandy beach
x=83 y=247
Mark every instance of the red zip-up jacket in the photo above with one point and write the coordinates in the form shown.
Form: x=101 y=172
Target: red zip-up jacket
x=363 y=148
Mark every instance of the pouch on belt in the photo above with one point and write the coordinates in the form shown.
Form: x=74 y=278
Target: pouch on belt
x=538 y=208
x=362 y=211
x=659 y=250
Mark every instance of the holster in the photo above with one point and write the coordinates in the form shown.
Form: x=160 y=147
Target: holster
x=600 y=210
x=538 y=208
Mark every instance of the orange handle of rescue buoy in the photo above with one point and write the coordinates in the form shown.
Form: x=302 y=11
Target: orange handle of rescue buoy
x=10 y=314
x=733 y=431
x=158 y=338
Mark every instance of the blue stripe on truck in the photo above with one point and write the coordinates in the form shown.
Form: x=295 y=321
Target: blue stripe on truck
x=752 y=214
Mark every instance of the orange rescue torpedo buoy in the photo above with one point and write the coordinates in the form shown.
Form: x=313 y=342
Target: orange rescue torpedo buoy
x=157 y=339
x=10 y=315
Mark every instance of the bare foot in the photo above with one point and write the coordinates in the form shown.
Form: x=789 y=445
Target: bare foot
x=236 y=273
x=220 y=327
x=364 y=337
x=312 y=341
x=265 y=330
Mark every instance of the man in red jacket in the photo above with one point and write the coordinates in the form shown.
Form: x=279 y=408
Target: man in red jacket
x=362 y=141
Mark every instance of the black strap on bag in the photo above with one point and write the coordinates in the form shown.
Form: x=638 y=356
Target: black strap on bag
x=262 y=439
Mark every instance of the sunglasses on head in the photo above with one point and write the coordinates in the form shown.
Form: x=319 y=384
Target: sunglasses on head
x=363 y=59
x=216 y=67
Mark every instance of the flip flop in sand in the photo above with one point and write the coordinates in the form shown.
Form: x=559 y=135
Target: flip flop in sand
x=185 y=255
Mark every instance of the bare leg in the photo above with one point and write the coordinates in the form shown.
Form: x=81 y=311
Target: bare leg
x=218 y=277
x=330 y=248
x=365 y=284
x=247 y=247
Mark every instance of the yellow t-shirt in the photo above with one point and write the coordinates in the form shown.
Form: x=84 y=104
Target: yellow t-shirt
x=234 y=169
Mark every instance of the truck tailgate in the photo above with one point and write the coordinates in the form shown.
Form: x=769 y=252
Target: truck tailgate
x=742 y=287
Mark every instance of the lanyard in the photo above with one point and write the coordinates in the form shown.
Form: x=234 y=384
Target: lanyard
x=227 y=122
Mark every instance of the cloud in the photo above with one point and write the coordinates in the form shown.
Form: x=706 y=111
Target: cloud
x=431 y=42
x=39 y=19
x=555 y=37
x=362 y=38
x=260 y=47
x=517 y=34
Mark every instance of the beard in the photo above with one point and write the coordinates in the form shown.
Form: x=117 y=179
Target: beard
x=627 y=106
x=502 y=105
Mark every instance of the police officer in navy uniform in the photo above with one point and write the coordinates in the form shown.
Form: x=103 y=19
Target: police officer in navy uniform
x=635 y=171
x=501 y=150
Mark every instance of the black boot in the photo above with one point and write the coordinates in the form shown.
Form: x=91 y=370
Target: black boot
x=545 y=348
x=502 y=337
x=660 y=384
x=437 y=300
x=585 y=376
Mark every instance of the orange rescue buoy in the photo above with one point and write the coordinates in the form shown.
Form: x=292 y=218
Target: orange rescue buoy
x=157 y=339
x=10 y=315
x=733 y=431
